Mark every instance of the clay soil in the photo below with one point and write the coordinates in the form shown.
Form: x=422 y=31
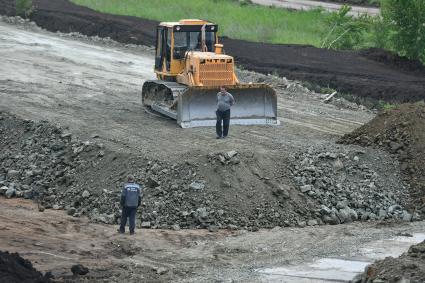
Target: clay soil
x=375 y=77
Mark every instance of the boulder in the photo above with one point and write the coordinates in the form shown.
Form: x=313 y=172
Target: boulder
x=152 y=182
x=146 y=224
x=10 y=192
x=79 y=269
x=12 y=174
x=230 y=154
x=3 y=190
x=407 y=217
x=338 y=165
x=197 y=186
x=306 y=188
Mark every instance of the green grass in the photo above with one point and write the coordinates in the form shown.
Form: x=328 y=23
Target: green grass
x=248 y=22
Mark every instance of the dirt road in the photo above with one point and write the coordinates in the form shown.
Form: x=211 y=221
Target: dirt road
x=54 y=242
x=94 y=89
x=309 y=5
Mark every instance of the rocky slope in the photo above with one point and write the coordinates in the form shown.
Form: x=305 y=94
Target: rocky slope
x=400 y=131
x=249 y=190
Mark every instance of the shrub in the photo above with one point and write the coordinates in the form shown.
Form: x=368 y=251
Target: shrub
x=406 y=22
x=24 y=8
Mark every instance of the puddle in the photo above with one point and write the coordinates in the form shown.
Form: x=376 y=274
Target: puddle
x=343 y=268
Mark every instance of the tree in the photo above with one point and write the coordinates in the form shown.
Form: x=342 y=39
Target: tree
x=406 y=22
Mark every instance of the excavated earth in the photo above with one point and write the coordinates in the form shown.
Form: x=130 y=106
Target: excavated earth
x=72 y=127
x=15 y=269
x=409 y=267
x=400 y=131
x=371 y=74
x=261 y=177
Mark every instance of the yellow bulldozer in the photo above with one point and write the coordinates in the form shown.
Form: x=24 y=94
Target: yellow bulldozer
x=191 y=66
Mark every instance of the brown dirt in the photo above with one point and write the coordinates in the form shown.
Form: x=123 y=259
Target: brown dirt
x=55 y=242
x=409 y=267
x=400 y=131
x=348 y=71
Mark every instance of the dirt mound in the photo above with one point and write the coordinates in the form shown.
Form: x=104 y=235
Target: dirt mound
x=400 y=131
x=15 y=269
x=224 y=189
x=409 y=267
x=44 y=162
x=348 y=71
x=393 y=60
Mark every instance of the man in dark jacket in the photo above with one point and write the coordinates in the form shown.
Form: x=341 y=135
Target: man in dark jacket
x=131 y=197
x=224 y=101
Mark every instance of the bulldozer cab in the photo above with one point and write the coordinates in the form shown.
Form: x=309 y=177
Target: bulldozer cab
x=174 y=39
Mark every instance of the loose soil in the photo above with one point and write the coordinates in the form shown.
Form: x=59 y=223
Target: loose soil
x=54 y=241
x=15 y=269
x=92 y=91
x=347 y=71
x=409 y=267
x=400 y=131
x=90 y=88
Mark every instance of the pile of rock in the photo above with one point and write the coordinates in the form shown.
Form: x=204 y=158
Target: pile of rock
x=349 y=185
x=37 y=158
x=400 y=131
x=230 y=189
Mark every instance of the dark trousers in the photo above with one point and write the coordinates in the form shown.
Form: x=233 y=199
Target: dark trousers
x=128 y=212
x=222 y=117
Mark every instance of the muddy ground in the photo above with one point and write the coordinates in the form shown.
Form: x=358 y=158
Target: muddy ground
x=351 y=72
x=90 y=89
x=54 y=242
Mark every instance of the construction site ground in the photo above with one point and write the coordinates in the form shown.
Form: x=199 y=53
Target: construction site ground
x=92 y=88
x=372 y=74
x=95 y=89
x=54 y=241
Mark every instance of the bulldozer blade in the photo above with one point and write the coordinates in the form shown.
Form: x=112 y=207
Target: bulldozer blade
x=255 y=104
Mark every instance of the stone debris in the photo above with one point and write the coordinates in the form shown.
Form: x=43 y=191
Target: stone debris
x=348 y=189
x=79 y=269
x=323 y=185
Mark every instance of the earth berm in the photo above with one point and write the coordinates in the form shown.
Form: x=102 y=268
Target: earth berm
x=372 y=74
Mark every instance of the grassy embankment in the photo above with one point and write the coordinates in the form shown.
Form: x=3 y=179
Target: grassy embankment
x=248 y=22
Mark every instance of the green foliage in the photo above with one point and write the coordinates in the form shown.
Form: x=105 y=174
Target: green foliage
x=405 y=21
x=401 y=29
x=237 y=18
x=24 y=8
x=388 y=106
x=347 y=32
